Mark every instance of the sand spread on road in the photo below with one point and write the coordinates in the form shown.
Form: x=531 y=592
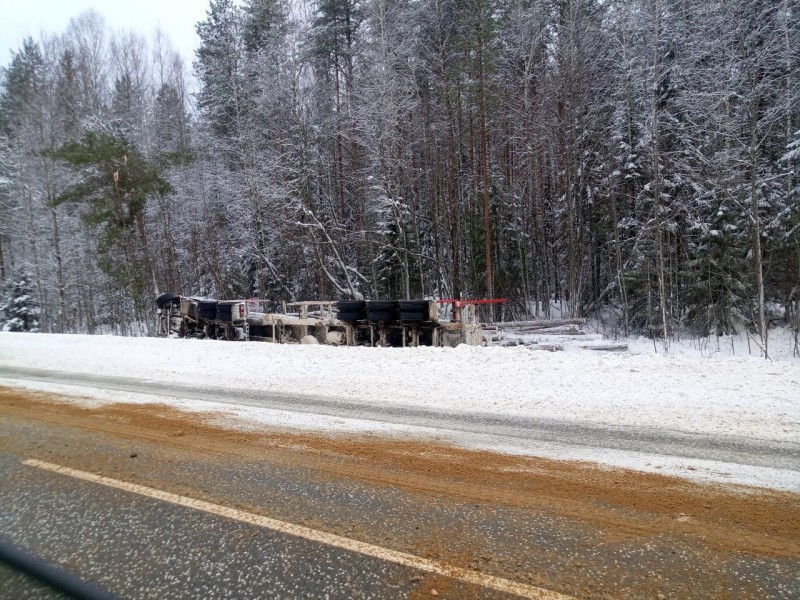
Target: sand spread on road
x=621 y=503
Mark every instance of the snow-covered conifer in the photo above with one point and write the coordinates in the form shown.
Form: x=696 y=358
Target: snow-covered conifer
x=20 y=310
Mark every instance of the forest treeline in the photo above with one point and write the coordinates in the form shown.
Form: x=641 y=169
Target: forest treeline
x=635 y=160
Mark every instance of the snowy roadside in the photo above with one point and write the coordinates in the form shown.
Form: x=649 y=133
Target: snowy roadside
x=745 y=397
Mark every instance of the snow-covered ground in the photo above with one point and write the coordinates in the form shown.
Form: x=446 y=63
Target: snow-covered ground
x=780 y=342
x=740 y=395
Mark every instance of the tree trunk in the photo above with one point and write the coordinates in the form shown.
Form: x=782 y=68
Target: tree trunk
x=62 y=300
x=755 y=228
x=662 y=296
x=487 y=227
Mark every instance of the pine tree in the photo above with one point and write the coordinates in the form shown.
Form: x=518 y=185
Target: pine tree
x=264 y=22
x=20 y=86
x=20 y=309
x=219 y=67
x=116 y=182
x=717 y=296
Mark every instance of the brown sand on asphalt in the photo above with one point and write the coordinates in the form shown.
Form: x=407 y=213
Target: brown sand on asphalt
x=623 y=504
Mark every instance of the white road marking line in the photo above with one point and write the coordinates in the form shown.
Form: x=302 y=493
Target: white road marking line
x=401 y=558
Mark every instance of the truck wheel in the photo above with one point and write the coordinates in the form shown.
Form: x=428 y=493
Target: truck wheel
x=412 y=316
x=350 y=305
x=350 y=316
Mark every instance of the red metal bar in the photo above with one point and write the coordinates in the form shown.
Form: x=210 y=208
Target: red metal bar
x=457 y=304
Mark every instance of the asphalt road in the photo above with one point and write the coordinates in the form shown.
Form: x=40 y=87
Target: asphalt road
x=496 y=429
x=140 y=547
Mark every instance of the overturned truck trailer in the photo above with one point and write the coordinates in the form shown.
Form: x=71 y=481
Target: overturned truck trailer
x=397 y=323
x=180 y=316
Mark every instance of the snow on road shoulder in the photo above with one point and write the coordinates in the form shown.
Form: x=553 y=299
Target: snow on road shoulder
x=743 y=396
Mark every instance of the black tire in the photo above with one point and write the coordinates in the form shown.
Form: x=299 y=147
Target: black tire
x=351 y=310
x=413 y=306
x=351 y=316
x=224 y=312
x=375 y=316
x=207 y=309
x=413 y=316
x=165 y=299
x=381 y=305
x=350 y=305
x=382 y=310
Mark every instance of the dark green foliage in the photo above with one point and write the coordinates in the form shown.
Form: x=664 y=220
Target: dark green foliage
x=19 y=85
x=264 y=22
x=333 y=34
x=219 y=66
x=114 y=185
x=717 y=295
x=641 y=283
x=172 y=128
x=389 y=263
x=116 y=179
x=20 y=310
x=68 y=95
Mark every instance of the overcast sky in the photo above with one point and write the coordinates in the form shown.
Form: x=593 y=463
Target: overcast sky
x=177 y=18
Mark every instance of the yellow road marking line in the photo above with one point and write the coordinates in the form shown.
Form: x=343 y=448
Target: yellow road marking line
x=401 y=558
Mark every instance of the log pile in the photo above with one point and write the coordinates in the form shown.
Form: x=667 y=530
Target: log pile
x=547 y=334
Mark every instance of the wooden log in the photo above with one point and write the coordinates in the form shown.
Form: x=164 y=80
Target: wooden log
x=559 y=333
x=544 y=328
x=541 y=323
x=545 y=331
x=609 y=347
x=515 y=343
x=548 y=347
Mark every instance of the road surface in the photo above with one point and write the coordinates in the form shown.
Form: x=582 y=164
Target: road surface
x=492 y=429
x=150 y=502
